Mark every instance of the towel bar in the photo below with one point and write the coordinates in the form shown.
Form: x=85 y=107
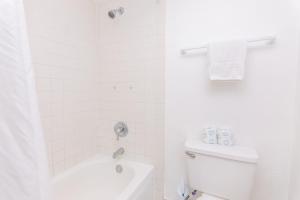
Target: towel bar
x=267 y=39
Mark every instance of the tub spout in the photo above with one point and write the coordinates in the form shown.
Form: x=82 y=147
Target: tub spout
x=118 y=153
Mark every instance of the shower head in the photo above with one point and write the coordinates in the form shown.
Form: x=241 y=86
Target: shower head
x=112 y=13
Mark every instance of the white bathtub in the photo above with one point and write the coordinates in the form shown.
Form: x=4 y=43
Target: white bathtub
x=96 y=179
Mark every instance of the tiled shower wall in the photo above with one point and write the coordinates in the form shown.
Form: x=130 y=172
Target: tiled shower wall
x=62 y=36
x=131 y=52
x=92 y=72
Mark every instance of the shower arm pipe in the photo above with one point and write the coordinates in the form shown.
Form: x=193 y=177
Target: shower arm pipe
x=268 y=39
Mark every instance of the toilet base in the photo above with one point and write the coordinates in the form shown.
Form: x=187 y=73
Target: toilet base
x=208 y=197
x=197 y=195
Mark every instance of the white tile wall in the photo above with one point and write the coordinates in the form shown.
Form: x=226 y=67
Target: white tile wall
x=131 y=51
x=93 y=71
x=63 y=43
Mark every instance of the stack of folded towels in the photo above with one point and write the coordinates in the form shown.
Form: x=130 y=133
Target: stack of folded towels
x=221 y=136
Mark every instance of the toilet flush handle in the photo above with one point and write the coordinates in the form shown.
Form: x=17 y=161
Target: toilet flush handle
x=191 y=155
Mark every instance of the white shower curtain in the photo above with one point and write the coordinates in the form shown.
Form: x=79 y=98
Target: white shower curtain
x=23 y=163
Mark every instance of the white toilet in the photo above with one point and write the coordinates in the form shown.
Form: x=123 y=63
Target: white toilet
x=220 y=172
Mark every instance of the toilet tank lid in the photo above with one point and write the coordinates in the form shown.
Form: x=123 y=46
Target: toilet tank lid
x=237 y=153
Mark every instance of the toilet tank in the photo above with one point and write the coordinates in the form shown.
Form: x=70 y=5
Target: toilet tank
x=225 y=172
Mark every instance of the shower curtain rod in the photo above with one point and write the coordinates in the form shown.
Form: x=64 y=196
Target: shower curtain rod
x=267 y=39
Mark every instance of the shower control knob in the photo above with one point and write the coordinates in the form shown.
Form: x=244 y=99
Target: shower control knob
x=121 y=130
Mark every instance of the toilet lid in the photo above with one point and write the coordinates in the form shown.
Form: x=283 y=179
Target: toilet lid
x=238 y=153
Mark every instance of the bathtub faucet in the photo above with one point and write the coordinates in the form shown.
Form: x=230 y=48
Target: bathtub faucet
x=118 y=153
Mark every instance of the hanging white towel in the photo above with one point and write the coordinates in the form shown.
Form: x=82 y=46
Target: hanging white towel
x=227 y=60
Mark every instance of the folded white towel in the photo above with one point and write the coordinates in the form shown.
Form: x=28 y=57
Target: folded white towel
x=210 y=135
x=227 y=60
x=225 y=137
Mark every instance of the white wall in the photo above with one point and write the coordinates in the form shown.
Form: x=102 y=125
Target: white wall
x=63 y=43
x=260 y=109
x=295 y=175
x=132 y=80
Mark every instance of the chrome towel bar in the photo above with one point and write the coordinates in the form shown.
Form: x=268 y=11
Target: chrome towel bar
x=267 y=39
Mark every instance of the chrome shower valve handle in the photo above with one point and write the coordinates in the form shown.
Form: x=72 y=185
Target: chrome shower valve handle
x=121 y=130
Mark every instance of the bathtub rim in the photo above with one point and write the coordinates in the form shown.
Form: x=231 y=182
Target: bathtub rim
x=142 y=173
